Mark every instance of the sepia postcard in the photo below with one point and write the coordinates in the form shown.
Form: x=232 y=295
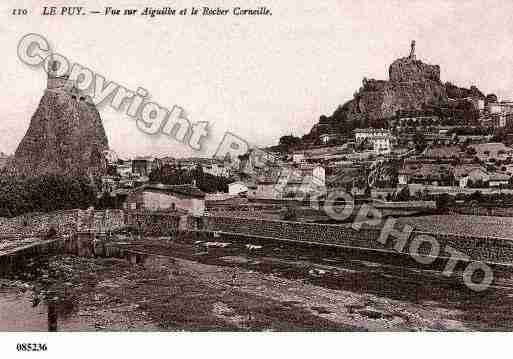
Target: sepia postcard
x=170 y=169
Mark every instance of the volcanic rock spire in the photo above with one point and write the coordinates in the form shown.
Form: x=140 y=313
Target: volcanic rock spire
x=65 y=135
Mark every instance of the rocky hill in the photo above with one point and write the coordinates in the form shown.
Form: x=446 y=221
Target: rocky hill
x=412 y=86
x=65 y=135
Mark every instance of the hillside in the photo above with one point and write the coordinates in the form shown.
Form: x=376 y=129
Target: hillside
x=412 y=86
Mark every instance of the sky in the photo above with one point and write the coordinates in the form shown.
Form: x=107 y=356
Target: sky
x=257 y=77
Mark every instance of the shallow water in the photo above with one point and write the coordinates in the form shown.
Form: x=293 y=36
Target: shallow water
x=20 y=312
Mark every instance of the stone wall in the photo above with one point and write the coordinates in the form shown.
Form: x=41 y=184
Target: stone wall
x=16 y=260
x=496 y=250
x=101 y=221
x=64 y=222
x=39 y=223
x=484 y=211
x=267 y=214
x=153 y=223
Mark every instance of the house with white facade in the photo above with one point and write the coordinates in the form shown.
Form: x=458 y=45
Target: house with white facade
x=160 y=197
x=237 y=187
x=292 y=181
x=381 y=139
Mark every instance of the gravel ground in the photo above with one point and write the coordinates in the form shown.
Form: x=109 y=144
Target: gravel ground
x=205 y=287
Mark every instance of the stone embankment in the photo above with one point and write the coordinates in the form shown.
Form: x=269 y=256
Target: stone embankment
x=485 y=249
x=62 y=222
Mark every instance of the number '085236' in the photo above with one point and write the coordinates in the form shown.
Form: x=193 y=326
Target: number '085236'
x=31 y=347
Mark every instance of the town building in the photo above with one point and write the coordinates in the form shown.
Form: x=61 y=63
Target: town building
x=381 y=139
x=469 y=175
x=413 y=118
x=443 y=152
x=478 y=103
x=332 y=137
x=466 y=175
x=217 y=168
x=109 y=184
x=426 y=174
x=324 y=138
x=497 y=120
x=298 y=157
x=498 y=179
x=237 y=187
x=291 y=182
x=167 y=161
x=323 y=154
x=160 y=197
x=495 y=150
x=124 y=169
x=503 y=107
x=143 y=166
x=346 y=177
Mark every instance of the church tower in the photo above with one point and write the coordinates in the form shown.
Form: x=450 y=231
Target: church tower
x=55 y=80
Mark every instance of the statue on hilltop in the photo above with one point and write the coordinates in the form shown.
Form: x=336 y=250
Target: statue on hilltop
x=412 y=50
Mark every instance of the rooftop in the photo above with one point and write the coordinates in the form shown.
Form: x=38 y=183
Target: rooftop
x=184 y=189
x=465 y=170
x=491 y=147
x=443 y=151
x=371 y=130
x=144 y=158
x=499 y=176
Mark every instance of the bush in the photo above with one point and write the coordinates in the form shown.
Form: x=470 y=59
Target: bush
x=289 y=214
x=403 y=194
x=204 y=181
x=44 y=193
x=444 y=200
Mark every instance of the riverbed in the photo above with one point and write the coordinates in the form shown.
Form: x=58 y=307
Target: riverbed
x=223 y=286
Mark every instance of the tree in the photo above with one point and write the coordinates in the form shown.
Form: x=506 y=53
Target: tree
x=471 y=151
x=419 y=141
x=45 y=193
x=444 y=200
x=177 y=176
x=403 y=194
x=289 y=141
x=323 y=119
x=476 y=196
x=289 y=214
